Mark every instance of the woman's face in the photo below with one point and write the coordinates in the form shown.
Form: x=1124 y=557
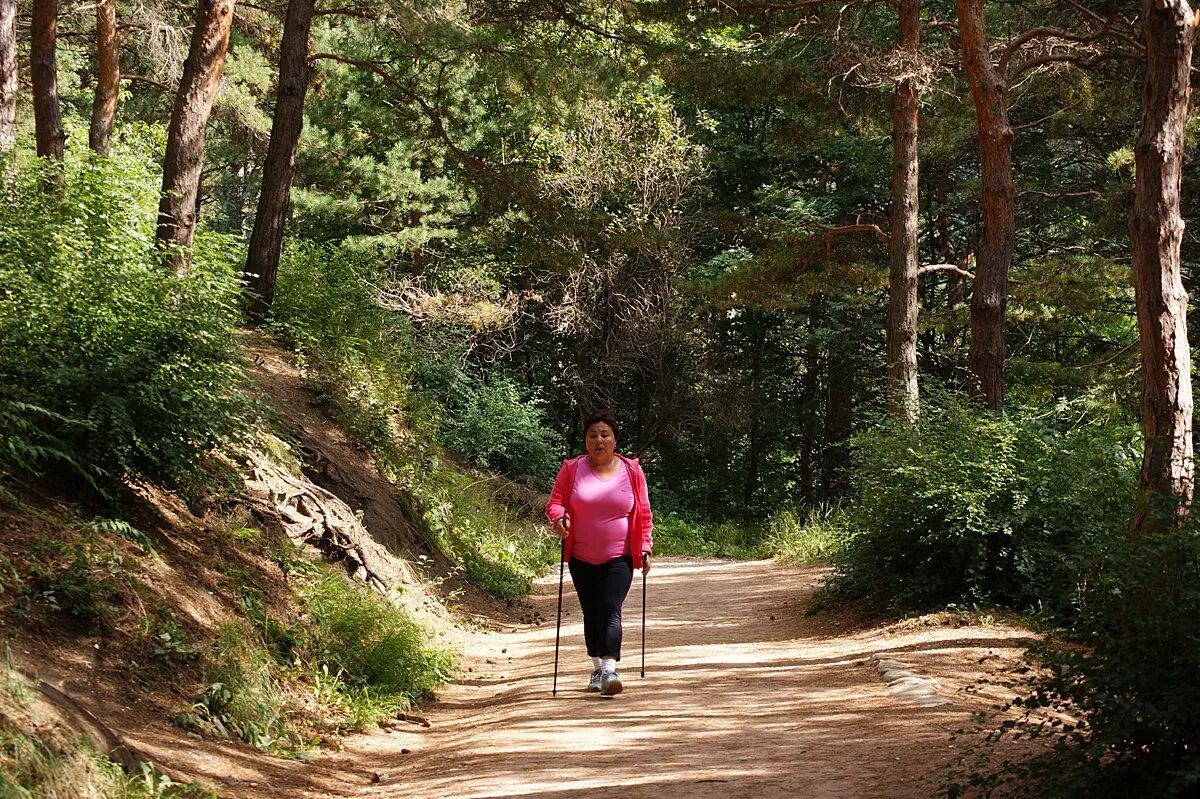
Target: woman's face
x=601 y=443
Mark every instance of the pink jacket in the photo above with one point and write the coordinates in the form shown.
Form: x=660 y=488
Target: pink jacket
x=641 y=521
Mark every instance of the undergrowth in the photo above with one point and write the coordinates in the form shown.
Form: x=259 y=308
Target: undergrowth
x=112 y=366
x=815 y=538
x=676 y=535
x=347 y=660
x=971 y=508
x=368 y=361
x=86 y=569
x=287 y=666
x=41 y=758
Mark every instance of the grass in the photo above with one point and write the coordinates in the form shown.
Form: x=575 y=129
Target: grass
x=243 y=698
x=675 y=535
x=499 y=550
x=350 y=659
x=376 y=650
x=813 y=539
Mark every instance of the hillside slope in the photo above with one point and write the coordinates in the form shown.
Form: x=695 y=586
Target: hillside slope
x=111 y=628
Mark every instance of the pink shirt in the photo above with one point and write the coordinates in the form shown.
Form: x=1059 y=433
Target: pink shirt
x=600 y=522
x=641 y=519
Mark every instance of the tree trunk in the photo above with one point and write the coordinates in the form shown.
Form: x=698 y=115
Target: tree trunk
x=189 y=120
x=903 y=394
x=756 y=437
x=754 y=459
x=990 y=296
x=262 y=261
x=108 y=76
x=835 y=457
x=47 y=116
x=807 y=411
x=1156 y=230
x=8 y=75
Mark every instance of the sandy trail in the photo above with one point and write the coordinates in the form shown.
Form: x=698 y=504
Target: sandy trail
x=743 y=696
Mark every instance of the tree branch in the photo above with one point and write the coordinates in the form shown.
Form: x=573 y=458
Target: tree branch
x=1035 y=33
x=832 y=231
x=955 y=268
x=1084 y=64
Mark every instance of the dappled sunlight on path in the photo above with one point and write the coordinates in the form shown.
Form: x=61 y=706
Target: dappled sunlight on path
x=743 y=696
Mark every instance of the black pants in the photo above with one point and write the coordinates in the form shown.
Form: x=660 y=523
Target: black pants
x=602 y=590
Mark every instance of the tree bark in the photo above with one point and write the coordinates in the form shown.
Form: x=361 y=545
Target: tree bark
x=189 y=121
x=839 y=424
x=279 y=169
x=903 y=392
x=1156 y=231
x=8 y=75
x=47 y=115
x=108 y=76
x=990 y=296
x=807 y=412
x=756 y=437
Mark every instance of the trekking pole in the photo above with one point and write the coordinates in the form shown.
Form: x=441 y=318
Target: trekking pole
x=643 y=620
x=558 y=625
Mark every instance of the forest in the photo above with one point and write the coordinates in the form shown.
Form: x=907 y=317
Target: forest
x=897 y=289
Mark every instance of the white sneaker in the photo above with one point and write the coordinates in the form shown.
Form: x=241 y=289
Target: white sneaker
x=610 y=683
x=594 y=683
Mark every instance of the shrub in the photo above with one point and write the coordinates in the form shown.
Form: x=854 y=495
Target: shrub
x=326 y=303
x=1121 y=689
x=965 y=506
x=111 y=365
x=81 y=573
x=494 y=427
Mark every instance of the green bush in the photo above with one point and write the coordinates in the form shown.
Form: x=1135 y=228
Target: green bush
x=326 y=297
x=373 y=359
x=494 y=427
x=965 y=506
x=1126 y=676
x=111 y=365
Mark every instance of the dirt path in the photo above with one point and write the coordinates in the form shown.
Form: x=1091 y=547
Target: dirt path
x=744 y=696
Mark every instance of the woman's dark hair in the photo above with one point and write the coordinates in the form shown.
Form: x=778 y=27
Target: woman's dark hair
x=602 y=416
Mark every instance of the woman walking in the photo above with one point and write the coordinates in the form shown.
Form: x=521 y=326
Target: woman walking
x=601 y=510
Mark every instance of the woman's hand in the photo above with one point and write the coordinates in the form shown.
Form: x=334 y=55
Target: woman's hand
x=562 y=526
x=645 y=563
